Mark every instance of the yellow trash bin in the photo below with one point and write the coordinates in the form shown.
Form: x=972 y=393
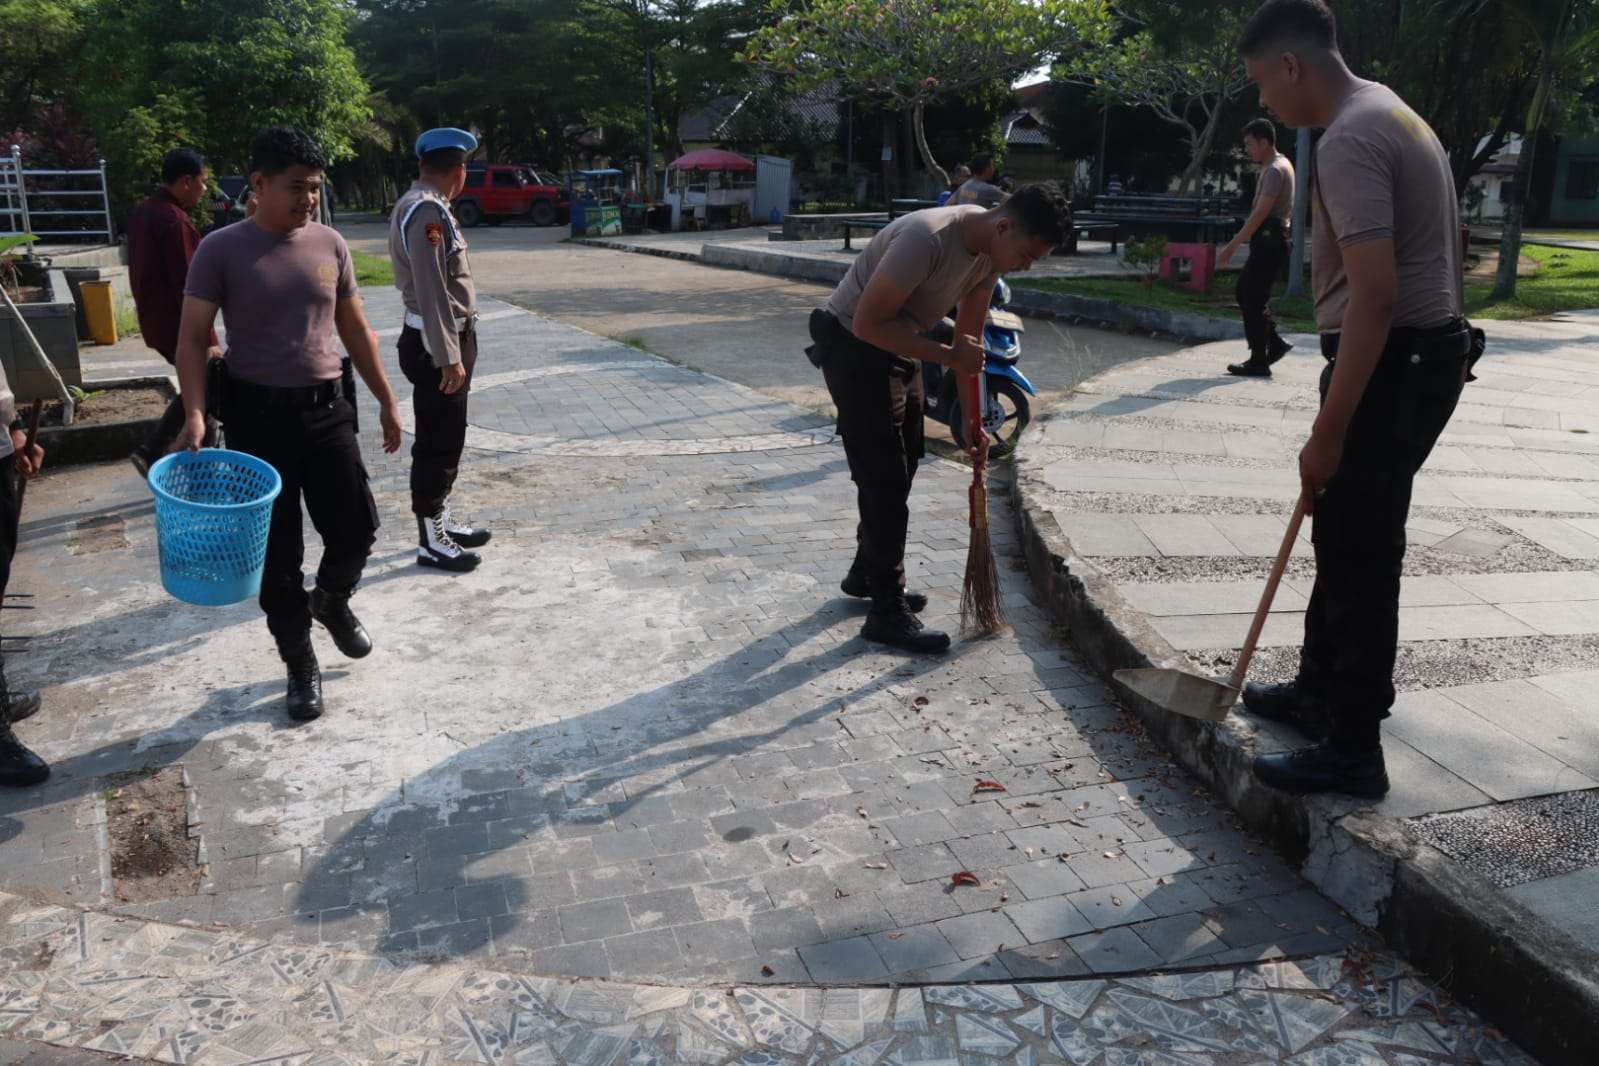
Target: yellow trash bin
x=100 y=310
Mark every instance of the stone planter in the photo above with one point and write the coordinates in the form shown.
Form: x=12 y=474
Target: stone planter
x=101 y=442
x=54 y=323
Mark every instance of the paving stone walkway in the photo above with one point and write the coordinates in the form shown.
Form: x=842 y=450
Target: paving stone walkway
x=1175 y=481
x=643 y=743
x=163 y=993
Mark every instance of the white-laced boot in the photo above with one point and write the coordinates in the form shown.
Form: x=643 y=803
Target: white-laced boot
x=439 y=549
x=464 y=535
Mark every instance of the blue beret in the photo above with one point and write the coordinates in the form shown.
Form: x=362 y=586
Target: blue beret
x=445 y=137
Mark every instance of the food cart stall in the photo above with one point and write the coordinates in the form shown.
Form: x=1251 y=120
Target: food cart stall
x=710 y=189
x=596 y=199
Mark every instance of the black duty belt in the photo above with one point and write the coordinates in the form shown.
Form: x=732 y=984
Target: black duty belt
x=302 y=396
x=1450 y=340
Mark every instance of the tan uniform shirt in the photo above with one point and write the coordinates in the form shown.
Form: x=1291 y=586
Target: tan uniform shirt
x=1277 y=179
x=1380 y=171
x=923 y=254
x=973 y=191
x=431 y=270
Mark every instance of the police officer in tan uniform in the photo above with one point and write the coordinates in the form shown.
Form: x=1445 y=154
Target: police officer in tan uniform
x=438 y=346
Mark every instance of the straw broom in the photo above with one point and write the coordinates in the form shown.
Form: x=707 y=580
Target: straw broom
x=980 y=610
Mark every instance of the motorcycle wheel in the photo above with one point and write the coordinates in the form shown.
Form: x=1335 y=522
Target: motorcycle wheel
x=1009 y=411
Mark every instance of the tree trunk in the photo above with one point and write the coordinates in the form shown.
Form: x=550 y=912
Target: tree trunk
x=649 y=124
x=1196 y=166
x=933 y=168
x=1510 y=240
x=1301 y=227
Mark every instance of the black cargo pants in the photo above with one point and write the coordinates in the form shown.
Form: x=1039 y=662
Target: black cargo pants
x=1358 y=529
x=880 y=409
x=440 y=420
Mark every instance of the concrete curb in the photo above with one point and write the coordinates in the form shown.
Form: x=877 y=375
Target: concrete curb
x=1536 y=984
x=775 y=263
x=639 y=249
x=1181 y=326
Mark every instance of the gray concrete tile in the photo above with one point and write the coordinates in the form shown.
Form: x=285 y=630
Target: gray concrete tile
x=1111 y=905
x=1046 y=877
x=624 y=846
x=1477 y=751
x=790 y=927
x=915 y=948
x=648 y=953
x=525 y=932
x=852 y=916
x=575 y=960
x=915 y=830
x=918 y=904
x=981 y=934
x=1108 y=867
x=843 y=961
x=925 y=863
x=1180 y=937
x=1158 y=858
x=714 y=941
x=986 y=851
x=599 y=920
x=1047 y=919
x=480 y=900
x=422 y=911
x=1114 y=951
x=674 y=906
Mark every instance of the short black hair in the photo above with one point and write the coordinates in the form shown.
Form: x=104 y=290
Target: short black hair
x=278 y=148
x=1041 y=210
x=981 y=162
x=442 y=160
x=181 y=163
x=1262 y=129
x=1297 y=23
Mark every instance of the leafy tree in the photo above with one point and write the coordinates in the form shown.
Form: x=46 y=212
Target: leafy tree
x=37 y=38
x=1187 y=79
x=911 y=52
x=210 y=73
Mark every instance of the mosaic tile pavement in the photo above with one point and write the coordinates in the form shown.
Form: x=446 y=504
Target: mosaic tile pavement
x=168 y=993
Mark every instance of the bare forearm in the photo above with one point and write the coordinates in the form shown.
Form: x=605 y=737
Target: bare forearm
x=1365 y=334
x=191 y=361
x=364 y=356
x=901 y=338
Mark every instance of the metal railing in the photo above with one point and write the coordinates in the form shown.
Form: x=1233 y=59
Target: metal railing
x=18 y=186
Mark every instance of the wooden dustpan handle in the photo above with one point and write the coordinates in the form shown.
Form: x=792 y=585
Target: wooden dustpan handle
x=1242 y=669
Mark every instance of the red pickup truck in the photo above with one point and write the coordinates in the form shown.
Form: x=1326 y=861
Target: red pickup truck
x=497 y=191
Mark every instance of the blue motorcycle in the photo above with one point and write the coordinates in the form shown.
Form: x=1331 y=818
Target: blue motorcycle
x=1006 y=407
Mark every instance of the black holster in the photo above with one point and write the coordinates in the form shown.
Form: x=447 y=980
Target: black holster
x=347 y=386
x=216 y=388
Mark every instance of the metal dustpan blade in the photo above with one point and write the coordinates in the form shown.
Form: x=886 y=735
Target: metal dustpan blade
x=1181 y=692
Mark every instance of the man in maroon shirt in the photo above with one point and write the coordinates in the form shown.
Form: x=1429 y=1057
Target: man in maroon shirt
x=161 y=241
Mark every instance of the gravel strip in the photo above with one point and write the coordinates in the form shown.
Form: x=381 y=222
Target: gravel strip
x=1436 y=663
x=1521 y=841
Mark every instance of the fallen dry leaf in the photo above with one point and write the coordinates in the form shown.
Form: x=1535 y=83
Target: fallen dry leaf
x=876 y=866
x=920 y=701
x=965 y=877
x=767 y=971
x=985 y=785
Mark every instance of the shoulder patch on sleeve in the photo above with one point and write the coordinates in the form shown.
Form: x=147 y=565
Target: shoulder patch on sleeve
x=435 y=233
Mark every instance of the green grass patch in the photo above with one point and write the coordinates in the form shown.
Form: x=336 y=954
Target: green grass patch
x=127 y=319
x=1563 y=234
x=1567 y=280
x=372 y=269
x=1293 y=313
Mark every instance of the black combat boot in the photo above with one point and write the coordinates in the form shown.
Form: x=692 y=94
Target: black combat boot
x=1326 y=767
x=464 y=535
x=1292 y=703
x=19 y=767
x=1277 y=349
x=854 y=584
x=891 y=622
x=22 y=705
x=438 y=549
x=303 y=699
x=348 y=633
x=1257 y=366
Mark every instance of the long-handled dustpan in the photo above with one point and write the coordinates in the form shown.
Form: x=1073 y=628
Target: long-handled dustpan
x=1206 y=697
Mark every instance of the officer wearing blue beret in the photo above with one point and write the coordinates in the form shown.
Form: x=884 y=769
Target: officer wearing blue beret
x=438 y=347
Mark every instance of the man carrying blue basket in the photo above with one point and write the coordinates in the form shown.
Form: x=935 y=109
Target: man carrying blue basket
x=285 y=285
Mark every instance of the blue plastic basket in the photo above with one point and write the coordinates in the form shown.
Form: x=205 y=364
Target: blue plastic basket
x=213 y=510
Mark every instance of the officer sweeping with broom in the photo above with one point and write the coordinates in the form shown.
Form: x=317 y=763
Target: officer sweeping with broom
x=870 y=339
